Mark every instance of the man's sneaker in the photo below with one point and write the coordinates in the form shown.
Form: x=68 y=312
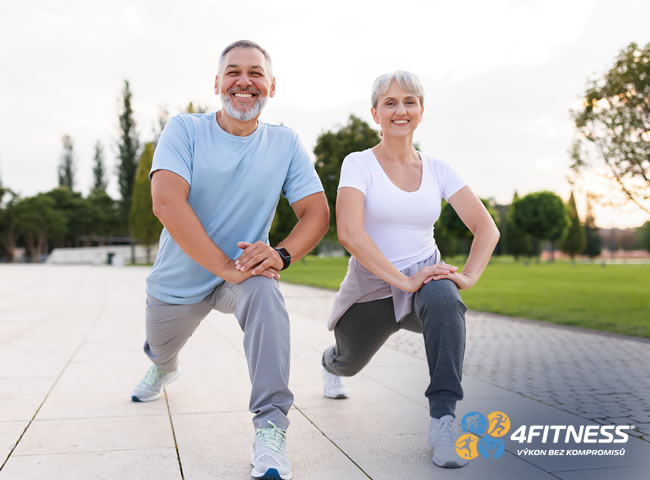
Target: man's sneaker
x=333 y=386
x=150 y=388
x=269 y=460
x=443 y=434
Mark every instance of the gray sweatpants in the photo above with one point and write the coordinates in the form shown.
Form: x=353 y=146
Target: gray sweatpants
x=438 y=313
x=259 y=308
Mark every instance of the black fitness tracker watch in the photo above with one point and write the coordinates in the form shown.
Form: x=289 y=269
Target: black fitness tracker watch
x=285 y=256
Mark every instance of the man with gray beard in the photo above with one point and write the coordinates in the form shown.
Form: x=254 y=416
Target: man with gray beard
x=216 y=180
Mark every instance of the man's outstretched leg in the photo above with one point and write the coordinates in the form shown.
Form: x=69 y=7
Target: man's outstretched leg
x=168 y=328
x=262 y=315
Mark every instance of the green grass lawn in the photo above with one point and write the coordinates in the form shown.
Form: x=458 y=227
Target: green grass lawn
x=614 y=298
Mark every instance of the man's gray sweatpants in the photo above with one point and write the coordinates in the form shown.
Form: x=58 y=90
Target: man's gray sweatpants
x=438 y=313
x=259 y=308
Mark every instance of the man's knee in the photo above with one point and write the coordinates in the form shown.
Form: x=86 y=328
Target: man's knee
x=259 y=288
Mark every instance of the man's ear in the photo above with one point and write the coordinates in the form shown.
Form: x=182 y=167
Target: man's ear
x=272 y=89
x=216 y=85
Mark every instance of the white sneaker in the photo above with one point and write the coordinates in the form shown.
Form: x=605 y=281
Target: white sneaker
x=150 y=388
x=269 y=460
x=333 y=386
x=443 y=434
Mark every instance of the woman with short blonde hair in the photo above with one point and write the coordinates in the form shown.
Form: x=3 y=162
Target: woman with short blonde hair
x=389 y=198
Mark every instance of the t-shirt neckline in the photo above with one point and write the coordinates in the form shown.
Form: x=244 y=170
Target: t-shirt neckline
x=385 y=175
x=235 y=138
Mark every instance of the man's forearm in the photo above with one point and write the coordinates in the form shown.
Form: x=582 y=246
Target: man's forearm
x=187 y=231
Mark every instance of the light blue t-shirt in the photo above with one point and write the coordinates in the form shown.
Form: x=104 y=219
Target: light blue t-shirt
x=235 y=184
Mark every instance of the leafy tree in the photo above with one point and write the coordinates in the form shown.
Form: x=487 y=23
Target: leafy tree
x=163 y=117
x=643 y=235
x=501 y=212
x=330 y=150
x=38 y=221
x=283 y=222
x=128 y=146
x=8 y=231
x=99 y=170
x=517 y=241
x=574 y=242
x=104 y=216
x=593 y=242
x=77 y=214
x=614 y=124
x=542 y=215
x=66 y=166
x=445 y=240
x=144 y=225
x=455 y=225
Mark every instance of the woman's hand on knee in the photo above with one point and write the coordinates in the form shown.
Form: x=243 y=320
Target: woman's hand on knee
x=462 y=280
x=432 y=272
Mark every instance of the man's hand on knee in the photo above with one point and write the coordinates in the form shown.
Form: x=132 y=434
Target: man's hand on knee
x=234 y=275
x=259 y=259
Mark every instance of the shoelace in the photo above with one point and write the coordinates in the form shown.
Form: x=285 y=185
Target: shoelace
x=272 y=437
x=153 y=375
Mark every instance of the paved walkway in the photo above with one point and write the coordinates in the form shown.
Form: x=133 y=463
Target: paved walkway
x=70 y=353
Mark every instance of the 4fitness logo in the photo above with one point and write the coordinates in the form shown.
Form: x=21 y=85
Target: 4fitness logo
x=484 y=436
x=492 y=428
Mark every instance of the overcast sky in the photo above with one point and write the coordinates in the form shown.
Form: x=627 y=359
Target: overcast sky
x=500 y=76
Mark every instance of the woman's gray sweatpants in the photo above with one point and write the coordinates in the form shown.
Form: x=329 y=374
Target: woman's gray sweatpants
x=438 y=313
x=259 y=308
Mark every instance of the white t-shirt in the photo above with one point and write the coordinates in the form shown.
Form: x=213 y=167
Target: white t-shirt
x=400 y=222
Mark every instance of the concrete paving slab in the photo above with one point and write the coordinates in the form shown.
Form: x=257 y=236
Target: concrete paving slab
x=46 y=437
x=623 y=473
x=20 y=397
x=388 y=457
x=88 y=404
x=10 y=432
x=208 y=448
x=160 y=464
x=351 y=420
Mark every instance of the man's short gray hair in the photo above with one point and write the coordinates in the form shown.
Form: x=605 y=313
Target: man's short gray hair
x=246 y=44
x=406 y=80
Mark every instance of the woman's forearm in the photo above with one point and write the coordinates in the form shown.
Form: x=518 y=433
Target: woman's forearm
x=485 y=240
x=361 y=247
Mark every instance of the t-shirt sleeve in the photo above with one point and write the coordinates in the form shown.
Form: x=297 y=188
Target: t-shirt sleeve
x=174 y=150
x=450 y=181
x=353 y=174
x=302 y=179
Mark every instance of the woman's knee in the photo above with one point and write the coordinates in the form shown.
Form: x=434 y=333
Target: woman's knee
x=440 y=298
x=345 y=367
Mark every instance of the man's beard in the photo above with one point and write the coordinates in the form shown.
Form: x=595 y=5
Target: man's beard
x=245 y=115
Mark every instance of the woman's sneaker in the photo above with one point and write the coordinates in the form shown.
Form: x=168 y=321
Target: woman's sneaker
x=269 y=460
x=150 y=388
x=443 y=434
x=333 y=386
